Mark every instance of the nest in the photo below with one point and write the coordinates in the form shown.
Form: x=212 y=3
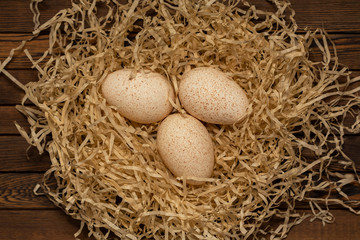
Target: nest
x=105 y=170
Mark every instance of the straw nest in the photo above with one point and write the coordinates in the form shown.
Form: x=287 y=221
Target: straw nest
x=106 y=171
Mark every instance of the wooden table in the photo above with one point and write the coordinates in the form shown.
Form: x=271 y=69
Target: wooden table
x=26 y=216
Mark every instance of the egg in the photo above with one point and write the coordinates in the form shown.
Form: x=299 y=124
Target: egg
x=211 y=96
x=185 y=147
x=143 y=99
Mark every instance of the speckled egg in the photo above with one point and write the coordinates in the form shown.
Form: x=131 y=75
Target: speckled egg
x=211 y=96
x=185 y=147
x=143 y=98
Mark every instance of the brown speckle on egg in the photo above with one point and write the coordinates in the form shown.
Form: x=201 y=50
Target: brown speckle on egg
x=185 y=147
x=143 y=99
x=211 y=96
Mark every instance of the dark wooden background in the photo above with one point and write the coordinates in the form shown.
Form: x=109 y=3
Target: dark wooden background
x=26 y=216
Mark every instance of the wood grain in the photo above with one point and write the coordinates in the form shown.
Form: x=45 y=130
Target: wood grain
x=10 y=41
x=55 y=225
x=13 y=156
x=16 y=192
x=25 y=216
x=10 y=93
x=348 y=49
x=17 y=17
x=345 y=227
x=8 y=116
x=38 y=225
x=333 y=15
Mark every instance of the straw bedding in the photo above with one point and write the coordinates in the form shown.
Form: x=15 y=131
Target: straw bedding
x=105 y=170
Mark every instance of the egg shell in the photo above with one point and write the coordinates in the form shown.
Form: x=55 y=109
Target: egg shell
x=185 y=147
x=211 y=96
x=142 y=99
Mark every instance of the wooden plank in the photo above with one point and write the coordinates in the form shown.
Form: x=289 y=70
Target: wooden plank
x=10 y=93
x=8 y=116
x=55 y=225
x=16 y=192
x=13 y=156
x=333 y=15
x=10 y=41
x=348 y=49
x=345 y=227
x=21 y=20
x=38 y=225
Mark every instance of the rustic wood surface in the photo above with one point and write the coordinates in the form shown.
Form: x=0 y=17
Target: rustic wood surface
x=26 y=216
